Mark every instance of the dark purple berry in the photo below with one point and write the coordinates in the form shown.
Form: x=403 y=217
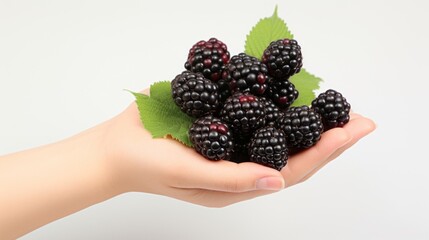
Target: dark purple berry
x=244 y=112
x=246 y=74
x=268 y=147
x=209 y=58
x=333 y=108
x=282 y=92
x=212 y=138
x=272 y=112
x=194 y=94
x=303 y=127
x=283 y=58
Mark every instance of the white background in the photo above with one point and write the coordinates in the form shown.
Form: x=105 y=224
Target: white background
x=64 y=65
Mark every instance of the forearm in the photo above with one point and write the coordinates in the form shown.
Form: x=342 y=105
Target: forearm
x=41 y=185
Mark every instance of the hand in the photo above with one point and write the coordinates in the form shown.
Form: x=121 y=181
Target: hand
x=166 y=167
x=120 y=156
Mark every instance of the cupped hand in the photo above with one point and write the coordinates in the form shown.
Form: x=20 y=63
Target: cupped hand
x=166 y=167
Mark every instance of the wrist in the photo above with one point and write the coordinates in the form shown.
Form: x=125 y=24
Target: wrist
x=93 y=148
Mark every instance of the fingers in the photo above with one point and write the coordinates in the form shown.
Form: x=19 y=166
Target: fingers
x=223 y=199
x=303 y=163
x=224 y=183
x=215 y=199
x=358 y=127
x=228 y=176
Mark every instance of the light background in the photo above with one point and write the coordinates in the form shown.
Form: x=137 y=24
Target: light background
x=64 y=65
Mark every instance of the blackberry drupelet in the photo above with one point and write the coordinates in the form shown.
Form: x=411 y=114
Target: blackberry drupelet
x=282 y=92
x=283 y=58
x=208 y=58
x=333 y=108
x=268 y=147
x=272 y=112
x=212 y=138
x=303 y=127
x=194 y=94
x=244 y=112
x=244 y=73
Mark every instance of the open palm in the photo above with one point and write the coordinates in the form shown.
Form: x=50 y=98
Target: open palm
x=166 y=167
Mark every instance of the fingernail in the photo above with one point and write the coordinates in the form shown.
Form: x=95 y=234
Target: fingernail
x=270 y=183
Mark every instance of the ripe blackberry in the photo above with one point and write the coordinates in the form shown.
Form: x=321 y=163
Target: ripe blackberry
x=268 y=147
x=208 y=58
x=303 y=127
x=282 y=92
x=194 y=94
x=244 y=73
x=212 y=138
x=244 y=112
x=224 y=90
x=241 y=150
x=283 y=58
x=333 y=108
x=272 y=112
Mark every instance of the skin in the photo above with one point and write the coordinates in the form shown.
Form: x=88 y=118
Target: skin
x=118 y=156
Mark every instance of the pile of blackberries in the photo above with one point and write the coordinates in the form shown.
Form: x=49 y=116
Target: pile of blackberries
x=242 y=105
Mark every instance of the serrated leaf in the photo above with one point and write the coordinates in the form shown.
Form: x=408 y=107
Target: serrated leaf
x=305 y=83
x=264 y=32
x=161 y=116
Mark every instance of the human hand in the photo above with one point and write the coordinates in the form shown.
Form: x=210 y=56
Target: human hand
x=167 y=167
x=120 y=156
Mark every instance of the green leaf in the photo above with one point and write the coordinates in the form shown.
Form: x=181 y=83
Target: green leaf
x=264 y=32
x=305 y=83
x=161 y=116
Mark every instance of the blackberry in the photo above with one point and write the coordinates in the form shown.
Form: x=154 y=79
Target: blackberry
x=244 y=112
x=224 y=90
x=241 y=147
x=212 y=138
x=283 y=58
x=282 y=92
x=272 y=112
x=268 y=147
x=244 y=73
x=303 y=127
x=333 y=108
x=208 y=58
x=194 y=94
